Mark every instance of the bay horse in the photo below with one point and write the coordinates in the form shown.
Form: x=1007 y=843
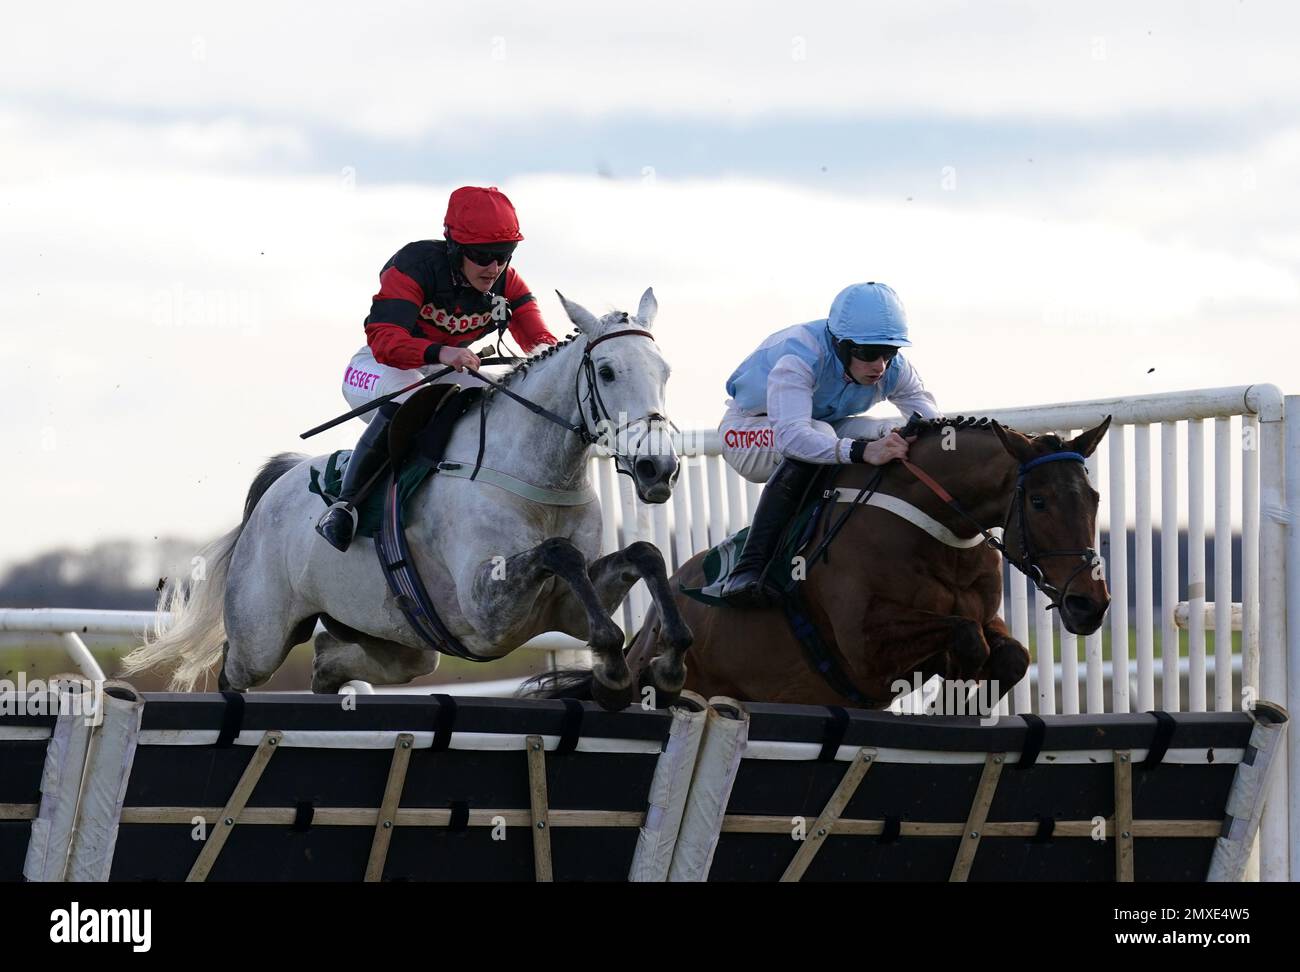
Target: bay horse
x=500 y=566
x=891 y=598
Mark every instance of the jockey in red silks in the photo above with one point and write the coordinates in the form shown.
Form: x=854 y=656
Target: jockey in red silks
x=435 y=298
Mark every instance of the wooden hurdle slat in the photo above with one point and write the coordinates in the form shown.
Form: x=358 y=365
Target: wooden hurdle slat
x=753 y=824
x=19 y=811
x=234 y=806
x=830 y=815
x=1123 y=815
x=540 y=810
x=977 y=818
x=388 y=809
x=405 y=817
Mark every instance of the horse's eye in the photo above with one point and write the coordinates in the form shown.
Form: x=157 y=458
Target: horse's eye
x=1038 y=503
x=606 y=373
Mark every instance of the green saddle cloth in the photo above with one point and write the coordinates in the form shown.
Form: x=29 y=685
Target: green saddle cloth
x=370 y=511
x=721 y=560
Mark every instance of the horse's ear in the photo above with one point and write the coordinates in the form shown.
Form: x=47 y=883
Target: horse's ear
x=648 y=309
x=582 y=318
x=1021 y=449
x=1086 y=442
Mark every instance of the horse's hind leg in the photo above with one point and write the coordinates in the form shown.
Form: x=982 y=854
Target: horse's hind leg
x=343 y=655
x=256 y=647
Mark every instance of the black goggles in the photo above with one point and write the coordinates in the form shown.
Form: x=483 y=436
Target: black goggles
x=870 y=352
x=485 y=256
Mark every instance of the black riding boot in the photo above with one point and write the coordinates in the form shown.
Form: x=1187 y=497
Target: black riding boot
x=339 y=522
x=780 y=501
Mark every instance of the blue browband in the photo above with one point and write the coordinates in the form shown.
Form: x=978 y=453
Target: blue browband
x=1050 y=457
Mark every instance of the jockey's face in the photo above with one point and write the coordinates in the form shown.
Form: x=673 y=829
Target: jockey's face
x=481 y=278
x=866 y=372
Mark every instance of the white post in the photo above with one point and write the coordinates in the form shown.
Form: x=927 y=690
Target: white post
x=1096 y=687
x=1142 y=583
x=1250 y=553
x=1019 y=620
x=1169 y=637
x=609 y=505
x=1069 y=668
x=634 y=608
x=1196 y=565
x=1277 y=845
x=714 y=471
x=682 y=515
x=1223 y=565
x=735 y=499
x=699 y=513
x=1046 y=654
x=1290 y=625
x=1118 y=570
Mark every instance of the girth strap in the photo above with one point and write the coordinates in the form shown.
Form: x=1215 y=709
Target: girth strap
x=538 y=494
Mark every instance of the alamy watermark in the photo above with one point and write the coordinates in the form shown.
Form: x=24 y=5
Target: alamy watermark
x=60 y=696
x=956 y=696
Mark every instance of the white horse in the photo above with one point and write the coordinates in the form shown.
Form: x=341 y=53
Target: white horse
x=499 y=568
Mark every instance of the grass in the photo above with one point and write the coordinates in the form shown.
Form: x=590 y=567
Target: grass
x=1183 y=643
x=43 y=659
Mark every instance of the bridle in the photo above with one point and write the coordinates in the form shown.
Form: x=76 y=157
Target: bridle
x=599 y=412
x=595 y=406
x=1027 y=562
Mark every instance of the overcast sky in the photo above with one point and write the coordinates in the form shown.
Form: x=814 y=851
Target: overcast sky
x=196 y=205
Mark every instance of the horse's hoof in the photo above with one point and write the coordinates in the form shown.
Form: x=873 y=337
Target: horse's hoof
x=610 y=698
x=663 y=694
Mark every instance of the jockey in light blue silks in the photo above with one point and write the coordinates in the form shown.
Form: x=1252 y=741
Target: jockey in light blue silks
x=796 y=404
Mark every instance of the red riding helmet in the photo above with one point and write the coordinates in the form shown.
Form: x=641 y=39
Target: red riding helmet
x=478 y=215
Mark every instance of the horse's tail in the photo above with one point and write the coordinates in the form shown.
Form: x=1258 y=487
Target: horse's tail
x=562 y=683
x=193 y=637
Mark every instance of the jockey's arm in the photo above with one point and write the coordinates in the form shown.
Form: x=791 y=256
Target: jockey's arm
x=526 y=324
x=789 y=406
x=910 y=395
x=393 y=320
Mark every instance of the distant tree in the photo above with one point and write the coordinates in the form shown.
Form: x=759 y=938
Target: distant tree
x=111 y=575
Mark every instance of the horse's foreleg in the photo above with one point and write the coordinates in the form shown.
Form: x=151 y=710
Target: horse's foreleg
x=889 y=643
x=613 y=575
x=1008 y=659
x=499 y=594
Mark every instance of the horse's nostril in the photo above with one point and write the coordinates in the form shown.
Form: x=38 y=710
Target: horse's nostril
x=1081 y=607
x=646 y=470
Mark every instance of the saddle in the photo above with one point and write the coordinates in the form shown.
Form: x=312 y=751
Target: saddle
x=417 y=440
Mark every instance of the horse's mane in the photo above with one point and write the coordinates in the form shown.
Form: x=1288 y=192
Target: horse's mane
x=521 y=369
x=922 y=426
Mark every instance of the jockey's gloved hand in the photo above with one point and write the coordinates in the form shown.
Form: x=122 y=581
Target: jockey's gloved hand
x=881 y=451
x=458 y=358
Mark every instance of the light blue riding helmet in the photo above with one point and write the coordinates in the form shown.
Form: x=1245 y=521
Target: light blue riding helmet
x=869 y=313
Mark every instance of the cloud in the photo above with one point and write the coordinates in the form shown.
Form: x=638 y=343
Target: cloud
x=402 y=70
